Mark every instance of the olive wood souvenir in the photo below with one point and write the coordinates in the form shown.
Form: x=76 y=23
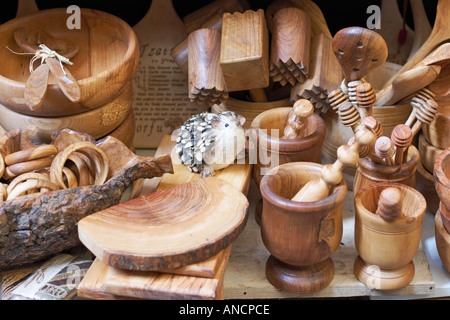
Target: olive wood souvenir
x=97 y=122
x=125 y=131
x=407 y=83
x=439 y=34
x=369 y=172
x=297 y=119
x=323 y=77
x=386 y=248
x=402 y=137
x=437 y=133
x=425 y=185
x=244 y=50
x=385 y=149
x=290 y=46
x=165 y=230
x=365 y=98
x=206 y=81
x=425 y=109
x=442 y=177
x=442 y=238
x=359 y=51
x=52 y=216
x=428 y=153
x=300 y=236
x=104 y=64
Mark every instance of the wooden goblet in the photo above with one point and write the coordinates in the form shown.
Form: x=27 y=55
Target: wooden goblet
x=300 y=236
x=308 y=148
x=386 y=249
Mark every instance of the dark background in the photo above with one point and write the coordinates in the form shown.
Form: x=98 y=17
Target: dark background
x=338 y=14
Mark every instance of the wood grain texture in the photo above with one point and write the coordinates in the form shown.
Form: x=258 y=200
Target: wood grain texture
x=442 y=238
x=437 y=132
x=244 y=51
x=439 y=34
x=425 y=185
x=325 y=75
x=58 y=212
x=36 y=87
x=422 y=27
x=163 y=230
x=391 y=246
x=442 y=177
x=359 y=51
x=428 y=153
x=100 y=73
x=290 y=46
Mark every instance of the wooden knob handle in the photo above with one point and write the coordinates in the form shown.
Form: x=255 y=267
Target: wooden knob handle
x=390 y=204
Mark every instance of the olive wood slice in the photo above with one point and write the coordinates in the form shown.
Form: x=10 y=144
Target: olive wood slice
x=35 y=227
x=167 y=229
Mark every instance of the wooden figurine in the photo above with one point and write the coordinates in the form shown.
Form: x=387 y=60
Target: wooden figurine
x=206 y=82
x=386 y=248
x=244 y=50
x=290 y=50
x=348 y=155
x=300 y=237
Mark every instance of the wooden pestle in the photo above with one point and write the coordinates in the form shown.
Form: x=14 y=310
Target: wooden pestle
x=206 y=83
x=244 y=53
x=331 y=174
x=390 y=204
x=290 y=50
x=296 y=122
x=402 y=137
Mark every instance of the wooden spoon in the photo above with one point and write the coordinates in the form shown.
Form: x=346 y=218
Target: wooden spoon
x=359 y=51
x=406 y=84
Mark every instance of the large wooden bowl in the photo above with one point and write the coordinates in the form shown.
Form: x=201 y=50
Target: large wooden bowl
x=438 y=132
x=106 y=61
x=35 y=227
x=98 y=122
x=442 y=177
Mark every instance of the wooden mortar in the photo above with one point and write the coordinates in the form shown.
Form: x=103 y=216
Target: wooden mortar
x=386 y=249
x=308 y=148
x=300 y=236
x=369 y=172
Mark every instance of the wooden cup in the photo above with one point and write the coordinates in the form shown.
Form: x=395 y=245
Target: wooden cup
x=300 y=236
x=386 y=249
x=308 y=148
x=369 y=172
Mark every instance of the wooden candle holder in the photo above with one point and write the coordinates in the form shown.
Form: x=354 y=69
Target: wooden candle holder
x=300 y=236
x=307 y=148
x=386 y=249
x=369 y=172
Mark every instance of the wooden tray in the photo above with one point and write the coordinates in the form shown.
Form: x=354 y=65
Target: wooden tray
x=97 y=284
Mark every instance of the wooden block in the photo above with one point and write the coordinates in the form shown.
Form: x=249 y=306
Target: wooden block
x=244 y=56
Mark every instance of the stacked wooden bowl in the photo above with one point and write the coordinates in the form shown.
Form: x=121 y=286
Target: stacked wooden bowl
x=104 y=66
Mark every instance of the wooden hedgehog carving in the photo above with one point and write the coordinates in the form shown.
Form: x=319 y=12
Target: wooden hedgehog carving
x=209 y=142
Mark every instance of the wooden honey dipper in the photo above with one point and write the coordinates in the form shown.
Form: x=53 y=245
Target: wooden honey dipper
x=402 y=137
x=390 y=204
x=424 y=110
x=366 y=98
x=336 y=98
x=348 y=155
x=349 y=115
x=373 y=124
x=296 y=121
x=385 y=149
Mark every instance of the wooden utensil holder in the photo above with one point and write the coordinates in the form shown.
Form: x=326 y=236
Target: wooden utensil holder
x=386 y=249
x=369 y=172
x=300 y=236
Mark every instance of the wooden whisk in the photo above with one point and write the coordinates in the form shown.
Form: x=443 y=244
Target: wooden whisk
x=331 y=175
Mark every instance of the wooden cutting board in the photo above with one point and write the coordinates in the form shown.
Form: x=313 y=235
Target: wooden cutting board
x=161 y=102
x=168 y=229
x=97 y=284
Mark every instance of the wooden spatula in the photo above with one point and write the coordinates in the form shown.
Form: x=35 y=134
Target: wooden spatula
x=359 y=51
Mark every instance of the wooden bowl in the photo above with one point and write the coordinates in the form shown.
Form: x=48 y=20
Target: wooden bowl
x=386 y=249
x=425 y=185
x=301 y=236
x=98 y=122
x=52 y=217
x=381 y=75
x=437 y=133
x=442 y=177
x=442 y=238
x=105 y=63
x=428 y=153
x=249 y=110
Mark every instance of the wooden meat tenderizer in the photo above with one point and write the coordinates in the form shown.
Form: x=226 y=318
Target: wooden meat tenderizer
x=296 y=122
x=244 y=53
x=291 y=42
x=206 y=82
x=348 y=155
x=390 y=204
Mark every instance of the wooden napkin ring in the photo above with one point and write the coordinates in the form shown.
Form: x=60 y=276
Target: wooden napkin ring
x=31 y=154
x=24 y=167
